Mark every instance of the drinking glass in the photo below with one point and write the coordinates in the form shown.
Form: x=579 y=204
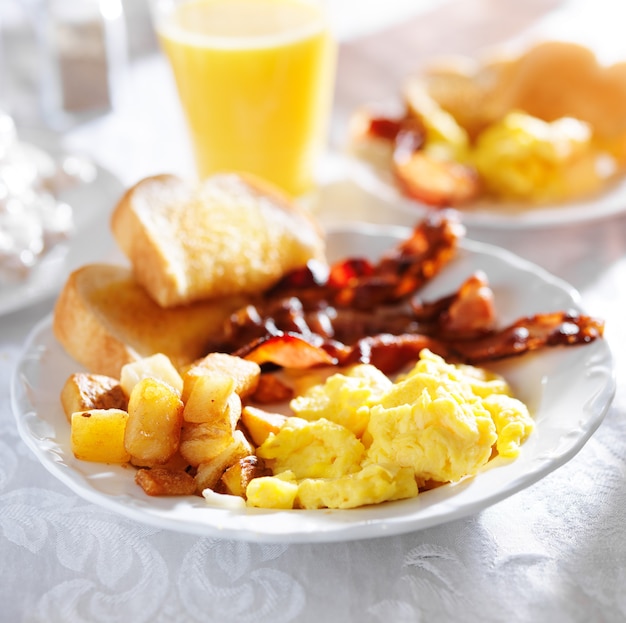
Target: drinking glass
x=255 y=79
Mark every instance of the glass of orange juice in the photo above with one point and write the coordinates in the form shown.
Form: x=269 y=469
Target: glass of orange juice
x=256 y=82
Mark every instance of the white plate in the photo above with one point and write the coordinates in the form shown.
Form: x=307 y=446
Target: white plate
x=91 y=202
x=567 y=389
x=489 y=213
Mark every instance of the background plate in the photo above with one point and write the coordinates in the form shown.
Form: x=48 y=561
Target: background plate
x=92 y=202
x=490 y=213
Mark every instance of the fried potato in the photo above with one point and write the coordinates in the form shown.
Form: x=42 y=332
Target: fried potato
x=210 y=399
x=175 y=463
x=157 y=366
x=245 y=374
x=200 y=443
x=236 y=478
x=210 y=472
x=98 y=435
x=260 y=423
x=155 y=416
x=159 y=481
x=203 y=441
x=84 y=391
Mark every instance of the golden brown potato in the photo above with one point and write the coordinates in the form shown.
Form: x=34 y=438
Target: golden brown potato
x=210 y=472
x=157 y=366
x=236 y=478
x=260 y=423
x=160 y=481
x=245 y=374
x=84 y=391
x=98 y=435
x=155 y=416
x=203 y=441
x=176 y=463
x=208 y=400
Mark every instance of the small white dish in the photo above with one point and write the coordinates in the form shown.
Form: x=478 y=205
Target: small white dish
x=92 y=197
x=568 y=391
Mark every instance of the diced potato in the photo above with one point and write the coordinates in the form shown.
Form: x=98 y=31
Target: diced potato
x=155 y=416
x=210 y=472
x=156 y=366
x=203 y=441
x=176 y=463
x=236 y=478
x=84 y=391
x=161 y=481
x=200 y=443
x=245 y=374
x=260 y=423
x=208 y=399
x=98 y=435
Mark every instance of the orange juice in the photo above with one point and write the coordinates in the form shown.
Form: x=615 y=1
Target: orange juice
x=255 y=78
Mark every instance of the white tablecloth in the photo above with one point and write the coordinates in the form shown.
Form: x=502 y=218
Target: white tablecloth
x=554 y=552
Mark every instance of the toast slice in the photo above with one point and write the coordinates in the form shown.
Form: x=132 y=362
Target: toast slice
x=104 y=319
x=227 y=235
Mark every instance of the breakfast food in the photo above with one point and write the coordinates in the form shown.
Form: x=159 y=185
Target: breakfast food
x=361 y=439
x=543 y=125
x=527 y=158
x=357 y=438
x=549 y=80
x=84 y=391
x=228 y=235
x=104 y=319
x=372 y=313
x=374 y=393
x=320 y=386
x=197 y=253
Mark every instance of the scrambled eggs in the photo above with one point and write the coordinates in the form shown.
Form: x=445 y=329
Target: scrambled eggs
x=360 y=438
x=523 y=157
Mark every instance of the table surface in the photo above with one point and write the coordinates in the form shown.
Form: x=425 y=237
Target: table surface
x=554 y=552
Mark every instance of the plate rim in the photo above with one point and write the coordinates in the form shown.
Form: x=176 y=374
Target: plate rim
x=572 y=211
x=344 y=530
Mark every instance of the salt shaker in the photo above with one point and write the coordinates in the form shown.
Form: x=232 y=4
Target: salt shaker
x=83 y=54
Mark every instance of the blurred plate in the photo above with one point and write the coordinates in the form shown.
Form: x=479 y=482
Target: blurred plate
x=92 y=200
x=490 y=213
x=568 y=391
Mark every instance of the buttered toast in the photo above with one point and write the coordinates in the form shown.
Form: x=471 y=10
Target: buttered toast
x=227 y=235
x=104 y=319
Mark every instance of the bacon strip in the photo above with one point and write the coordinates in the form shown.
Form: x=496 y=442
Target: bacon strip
x=564 y=328
x=360 y=284
x=390 y=353
x=359 y=311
